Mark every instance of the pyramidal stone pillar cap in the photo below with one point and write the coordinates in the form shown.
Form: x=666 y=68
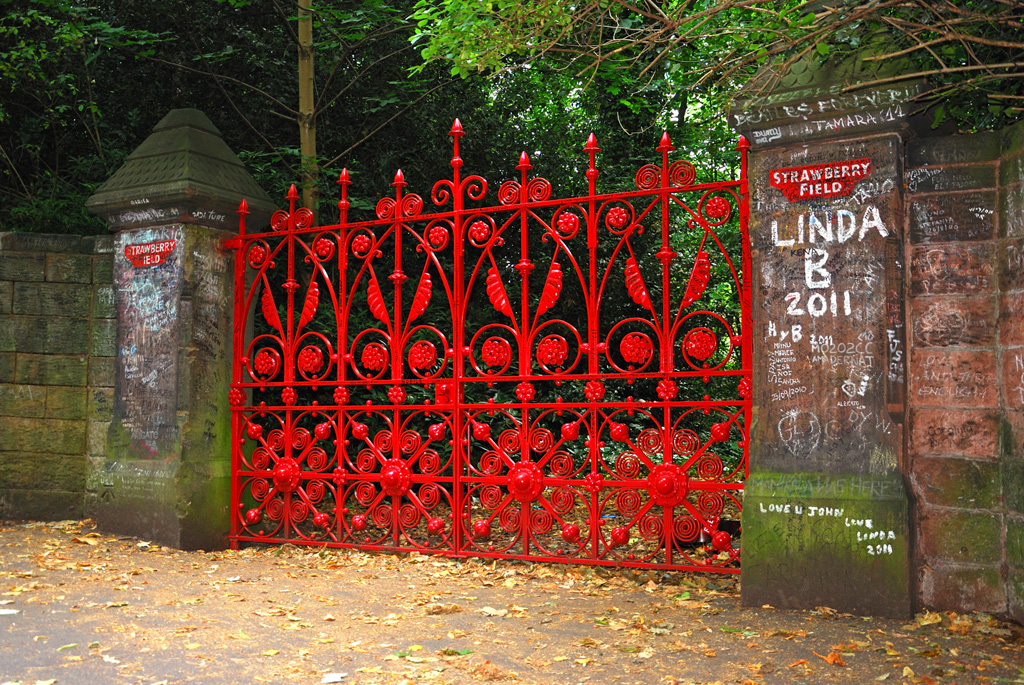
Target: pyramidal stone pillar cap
x=183 y=173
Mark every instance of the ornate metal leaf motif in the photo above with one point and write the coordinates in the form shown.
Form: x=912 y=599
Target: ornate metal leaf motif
x=635 y=285
x=699 y=278
x=496 y=291
x=422 y=297
x=375 y=300
x=552 y=288
x=269 y=307
x=310 y=305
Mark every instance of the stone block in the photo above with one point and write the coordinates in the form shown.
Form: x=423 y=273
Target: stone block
x=42 y=471
x=1015 y=542
x=1012 y=475
x=962 y=432
x=102 y=269
x=51 y=369
x=7 y=367
x=952 y=268
x=1011 y=262
x=101 y=372
x=1011 y=320
x=1015 y=595
x=54 y=436
x=946 y=587
x=16 y=266
x=6 y=296
x=949 y=218
x=812 y=539
x=66 y=402
x=1012 y=138
x=22 y=400
x=960 y=536
x=1011 y=210
x=1011 y=169
x=960 y=149
x=936 y=179
x=103 y=302
x=101 y=404
x=41 y=505
x=954 y=482
x=97 y=438
x=946 y=320
x=51 y=334
x=944 y=378
x=8 y=338
x=52 y=299
x=44 y=242
x=1013 y=378
x=103 y=244
x=68 y=268
x=103 y=341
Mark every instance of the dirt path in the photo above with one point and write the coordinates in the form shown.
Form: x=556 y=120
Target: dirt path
x=80 y=607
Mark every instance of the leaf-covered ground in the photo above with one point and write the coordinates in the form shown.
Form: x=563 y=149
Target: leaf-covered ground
x=77 y=606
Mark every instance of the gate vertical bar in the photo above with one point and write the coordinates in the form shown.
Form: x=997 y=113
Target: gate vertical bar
x=746 y=300
x=592 y=149
x=341 y=394
x=459 y=297
x=239 y=324
x=665 y=344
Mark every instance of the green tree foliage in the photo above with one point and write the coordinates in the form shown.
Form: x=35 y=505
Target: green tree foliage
x=969 y=51
x=84 y=85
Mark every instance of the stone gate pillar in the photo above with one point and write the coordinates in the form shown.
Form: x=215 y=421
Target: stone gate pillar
x=166 y=474
x=825 y=517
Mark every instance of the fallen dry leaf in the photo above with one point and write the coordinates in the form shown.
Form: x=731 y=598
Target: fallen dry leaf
x=833 y=658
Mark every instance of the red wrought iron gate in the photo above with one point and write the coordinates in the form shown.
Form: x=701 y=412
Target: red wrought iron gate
x=546 y=379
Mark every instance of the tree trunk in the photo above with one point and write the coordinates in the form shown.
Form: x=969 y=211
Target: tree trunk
x=309 y=171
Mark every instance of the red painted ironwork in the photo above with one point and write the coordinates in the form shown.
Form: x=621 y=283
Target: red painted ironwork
x=539 y=379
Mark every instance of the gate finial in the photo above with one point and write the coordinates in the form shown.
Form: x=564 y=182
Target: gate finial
x=666 y=144
x=343 y=204
x=456 y=133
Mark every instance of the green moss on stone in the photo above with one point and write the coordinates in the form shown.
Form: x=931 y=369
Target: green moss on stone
x=65 y=402
x=47 y=369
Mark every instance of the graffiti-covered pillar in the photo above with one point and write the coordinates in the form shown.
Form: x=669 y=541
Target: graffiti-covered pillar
x=825 y=517
x=165 y=476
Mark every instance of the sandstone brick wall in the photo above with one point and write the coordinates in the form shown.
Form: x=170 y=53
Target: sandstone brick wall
x=966 y=363
x=57 y=347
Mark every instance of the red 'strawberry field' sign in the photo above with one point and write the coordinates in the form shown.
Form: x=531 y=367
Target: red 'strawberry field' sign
x=832 y=179
x=149 y=254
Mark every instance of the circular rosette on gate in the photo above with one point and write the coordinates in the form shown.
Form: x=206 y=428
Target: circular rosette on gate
x=361 y=242
x=315 y=355
x=491 y=353
x=322 y=247
x=629 y=350
x=716 y=207
x=566 y=222
x=619 y=218
x=480 y=231
x=257 y=255
x=707 y=342
x=557 y=347
x=263 y=359
x=427 y=358
x=437 y=235
x=371 y=354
